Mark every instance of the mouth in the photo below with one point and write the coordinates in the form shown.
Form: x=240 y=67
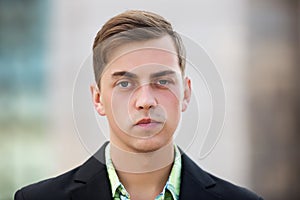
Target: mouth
x=147 y=122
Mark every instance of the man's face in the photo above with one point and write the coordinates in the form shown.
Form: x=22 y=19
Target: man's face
x=143 y=94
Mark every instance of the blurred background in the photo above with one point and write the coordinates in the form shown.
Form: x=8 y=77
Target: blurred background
x=254 y=44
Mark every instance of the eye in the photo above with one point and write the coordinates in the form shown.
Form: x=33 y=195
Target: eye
x=162 y=82
x=124 y=84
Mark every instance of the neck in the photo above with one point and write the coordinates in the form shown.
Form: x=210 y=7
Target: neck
x=145 y=185
x=138 y=163
x=144 y=175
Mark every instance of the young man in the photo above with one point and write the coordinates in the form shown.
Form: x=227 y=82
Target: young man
x=141 y=88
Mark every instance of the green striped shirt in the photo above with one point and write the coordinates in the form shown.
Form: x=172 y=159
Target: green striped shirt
x=171 y=189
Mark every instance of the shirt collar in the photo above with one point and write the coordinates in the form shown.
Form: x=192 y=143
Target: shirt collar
x=172 y=185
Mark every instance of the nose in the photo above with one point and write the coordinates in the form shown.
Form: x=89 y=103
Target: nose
x=145 y=98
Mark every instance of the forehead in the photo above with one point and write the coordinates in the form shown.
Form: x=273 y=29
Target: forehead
x=155 y=52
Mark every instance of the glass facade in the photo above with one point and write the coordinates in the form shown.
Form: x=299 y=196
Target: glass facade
x=23 y=42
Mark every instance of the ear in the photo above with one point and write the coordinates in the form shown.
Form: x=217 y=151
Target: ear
x=186 y=94
x=97 y=100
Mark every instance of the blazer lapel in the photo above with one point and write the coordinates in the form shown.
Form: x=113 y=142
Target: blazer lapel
x=91 y=180
x=195 y=183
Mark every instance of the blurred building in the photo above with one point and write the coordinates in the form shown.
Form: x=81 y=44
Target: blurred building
x=23 y=98
x=274 y=98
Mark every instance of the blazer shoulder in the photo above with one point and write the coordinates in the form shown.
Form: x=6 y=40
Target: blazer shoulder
x=195 y=179
x=52 y=188
x=228 y=190
x=62 y=186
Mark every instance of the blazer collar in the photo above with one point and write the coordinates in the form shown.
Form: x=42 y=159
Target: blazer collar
x=195 y=182
x=91 y=180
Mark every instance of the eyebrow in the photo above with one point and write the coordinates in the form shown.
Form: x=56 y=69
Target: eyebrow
x=124 y=73
x=162 y=73
x=132 y=75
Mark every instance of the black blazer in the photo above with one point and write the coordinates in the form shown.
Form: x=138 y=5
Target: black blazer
x=90 y=182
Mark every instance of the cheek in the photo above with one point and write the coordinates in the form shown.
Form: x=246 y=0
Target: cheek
x=171 y=103
x=119 y=106
x=171 y=95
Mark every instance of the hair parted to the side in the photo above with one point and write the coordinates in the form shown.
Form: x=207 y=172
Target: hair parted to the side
x=130 y=26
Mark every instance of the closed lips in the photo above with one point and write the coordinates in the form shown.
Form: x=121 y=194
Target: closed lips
x=146 y=121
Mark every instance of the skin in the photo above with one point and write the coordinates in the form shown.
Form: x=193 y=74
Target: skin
x=142 y=96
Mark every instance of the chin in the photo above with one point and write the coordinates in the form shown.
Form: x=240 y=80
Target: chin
x=149 y=144
x=142 y=144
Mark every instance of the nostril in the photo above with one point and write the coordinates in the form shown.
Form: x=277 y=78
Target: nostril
x=145 y=107
x=144 y=98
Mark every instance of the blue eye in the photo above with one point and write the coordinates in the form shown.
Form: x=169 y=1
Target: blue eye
x=163 y=82
x=124 y=84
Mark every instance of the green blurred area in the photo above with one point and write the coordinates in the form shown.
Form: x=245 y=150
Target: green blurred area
x=23 y=42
